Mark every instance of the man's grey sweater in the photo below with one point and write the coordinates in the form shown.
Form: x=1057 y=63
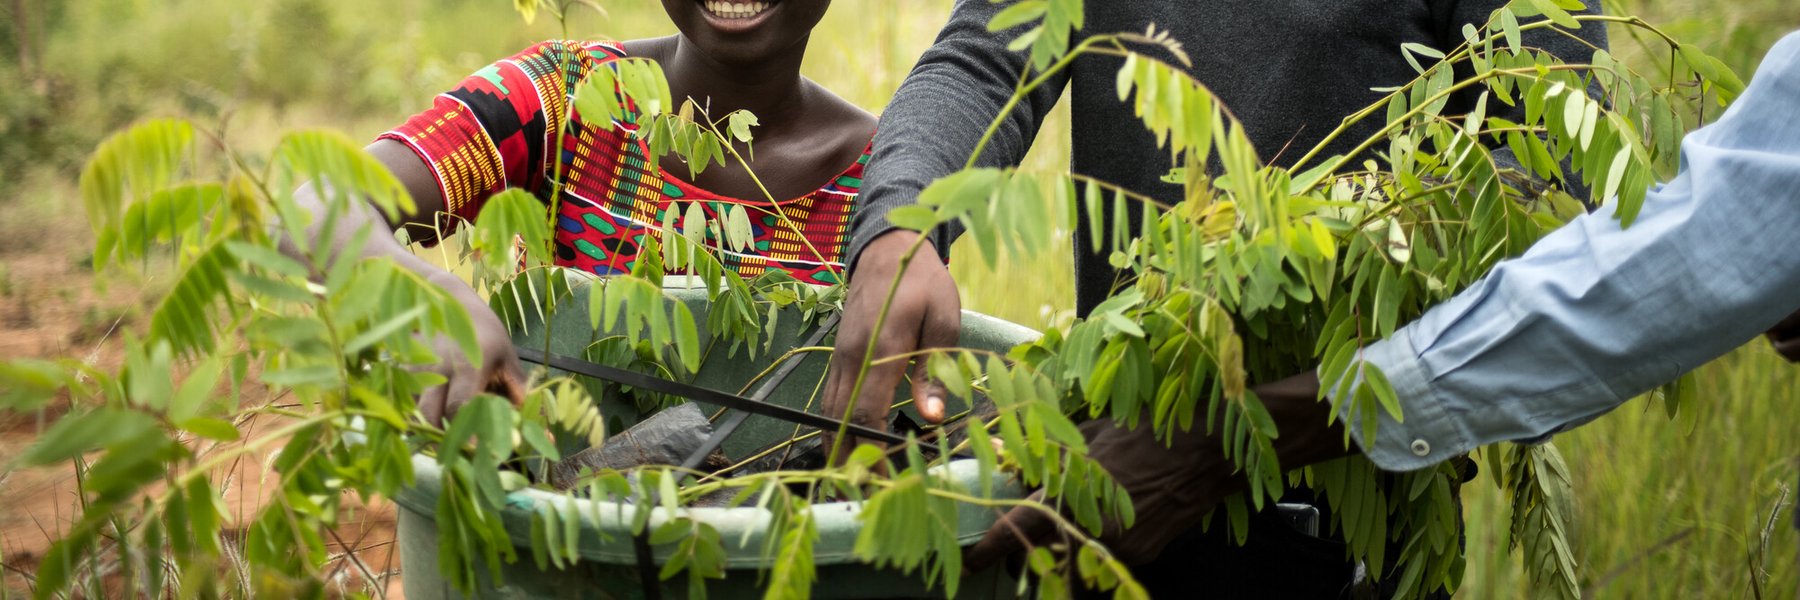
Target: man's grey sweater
x=1291 y=70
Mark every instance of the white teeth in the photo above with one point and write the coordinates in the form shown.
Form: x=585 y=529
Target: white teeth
x=735 y=10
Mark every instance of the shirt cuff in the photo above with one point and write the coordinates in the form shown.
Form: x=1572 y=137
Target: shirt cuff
x=1426 y=435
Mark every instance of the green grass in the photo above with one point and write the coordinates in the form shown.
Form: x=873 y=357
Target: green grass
x=1675 y=509
x=1665 y=509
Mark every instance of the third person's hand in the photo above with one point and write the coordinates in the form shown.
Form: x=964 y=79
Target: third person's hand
x=1172 y=482
x=1785 y=337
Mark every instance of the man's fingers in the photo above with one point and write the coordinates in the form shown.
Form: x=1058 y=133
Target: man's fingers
x=868 y=408
x=1020 y=528
x=928 y=393
x=877 y=395
x=941 y=327
x=838 y=379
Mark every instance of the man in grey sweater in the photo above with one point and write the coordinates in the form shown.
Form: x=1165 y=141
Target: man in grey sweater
x=1290 y=70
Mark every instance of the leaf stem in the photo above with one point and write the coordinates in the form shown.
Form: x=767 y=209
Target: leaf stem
x=862 y=372
x=1020 y=93
x=1462 y=50
x=1415 y=111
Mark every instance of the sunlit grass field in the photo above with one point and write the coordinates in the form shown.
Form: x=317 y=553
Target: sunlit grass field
x=1697 y=507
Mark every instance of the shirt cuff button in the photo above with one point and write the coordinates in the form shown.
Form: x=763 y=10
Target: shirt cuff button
x=1420 y=448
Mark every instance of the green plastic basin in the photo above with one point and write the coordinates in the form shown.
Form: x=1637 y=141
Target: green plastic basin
x=608 y=565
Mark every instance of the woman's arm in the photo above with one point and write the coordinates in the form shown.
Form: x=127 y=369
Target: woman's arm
x=489 y=133
x=498 y=369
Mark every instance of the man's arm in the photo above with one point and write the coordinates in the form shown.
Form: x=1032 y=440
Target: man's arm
x=928 y=131
x=938 y=115
x=1593 y=315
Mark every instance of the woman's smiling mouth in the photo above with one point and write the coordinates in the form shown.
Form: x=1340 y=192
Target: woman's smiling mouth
x=734 y=9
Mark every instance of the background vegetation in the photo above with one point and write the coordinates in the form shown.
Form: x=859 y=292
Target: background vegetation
x=1697 y=508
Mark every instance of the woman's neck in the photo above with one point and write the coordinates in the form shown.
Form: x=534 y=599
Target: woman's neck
x=771 y=89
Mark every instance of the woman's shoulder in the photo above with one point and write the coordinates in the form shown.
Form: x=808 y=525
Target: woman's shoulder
x=655 y=49
x=567 y=55
x=599 y=49
x=850 y=124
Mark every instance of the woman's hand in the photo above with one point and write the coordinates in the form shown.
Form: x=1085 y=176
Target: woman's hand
x=498 y=371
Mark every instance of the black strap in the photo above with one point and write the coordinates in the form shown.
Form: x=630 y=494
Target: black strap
x=702 y=395
x=762 y=393
x=646 y=563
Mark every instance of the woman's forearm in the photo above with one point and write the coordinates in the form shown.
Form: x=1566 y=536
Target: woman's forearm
x=416 y=178
x=380 y=242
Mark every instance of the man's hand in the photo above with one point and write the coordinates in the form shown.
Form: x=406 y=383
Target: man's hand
x=926 y=313
x=499 y=373
x=1785 y=337
x=1172 y=485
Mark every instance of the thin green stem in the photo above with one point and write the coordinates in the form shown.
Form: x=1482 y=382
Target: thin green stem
x=216 y=460
x=1382 y=133
x=777 y=364
x=929 y=351
x=1140 y=198
x=1020 y=93
x=779 y=213
x=862 y=372
x=1460 y=52
x=556 y=186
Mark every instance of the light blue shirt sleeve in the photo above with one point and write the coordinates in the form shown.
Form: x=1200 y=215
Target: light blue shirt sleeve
x=1593 y=315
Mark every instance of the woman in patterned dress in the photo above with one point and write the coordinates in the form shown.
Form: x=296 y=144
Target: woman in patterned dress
x=498 y=130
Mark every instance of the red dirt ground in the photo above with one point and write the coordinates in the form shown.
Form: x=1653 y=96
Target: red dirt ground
x=50 y=309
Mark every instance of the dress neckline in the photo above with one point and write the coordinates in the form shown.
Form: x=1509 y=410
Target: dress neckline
x=690 y=190
x=833 y=185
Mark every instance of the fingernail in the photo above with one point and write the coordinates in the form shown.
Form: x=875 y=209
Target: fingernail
x=935 y=404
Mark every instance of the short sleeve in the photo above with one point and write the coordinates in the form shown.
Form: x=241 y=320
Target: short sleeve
x=496 y=129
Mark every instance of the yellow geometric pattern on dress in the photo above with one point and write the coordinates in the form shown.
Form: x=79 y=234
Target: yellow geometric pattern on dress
x=550 y=71
x=752 y=267
x=788 y=243
x=647 y=199
x=474 y=167
x=578 y=164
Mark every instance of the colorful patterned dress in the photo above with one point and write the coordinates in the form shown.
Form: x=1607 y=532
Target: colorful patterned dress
x=496 y=129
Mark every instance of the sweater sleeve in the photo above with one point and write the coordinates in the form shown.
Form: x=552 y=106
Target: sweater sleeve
x=939 y=114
